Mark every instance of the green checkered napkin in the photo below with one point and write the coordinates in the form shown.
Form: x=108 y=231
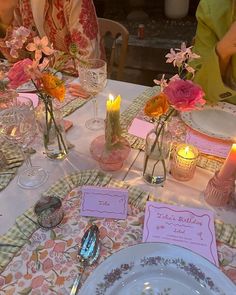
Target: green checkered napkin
x=12 y=159
x=26 y=224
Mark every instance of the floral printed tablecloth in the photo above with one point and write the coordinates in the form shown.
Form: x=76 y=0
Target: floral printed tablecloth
x=47 y=262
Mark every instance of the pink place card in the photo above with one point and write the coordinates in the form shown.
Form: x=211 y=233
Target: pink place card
x=187 y=227
x=104 y=202
x=140 y=128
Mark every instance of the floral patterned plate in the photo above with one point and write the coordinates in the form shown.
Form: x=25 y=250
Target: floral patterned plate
x=157 y=269
x=217 y=121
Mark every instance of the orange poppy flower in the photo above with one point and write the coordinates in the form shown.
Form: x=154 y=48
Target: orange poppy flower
x=53 y=86
x=157 y=105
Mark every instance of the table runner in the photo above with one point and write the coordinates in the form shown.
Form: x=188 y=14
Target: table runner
x=35 y=260
x=205 y=161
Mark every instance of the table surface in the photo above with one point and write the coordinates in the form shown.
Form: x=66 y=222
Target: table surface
x=15 y=200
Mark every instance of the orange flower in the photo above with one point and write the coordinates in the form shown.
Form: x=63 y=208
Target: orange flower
x=53 y=86
x=157 y=105
x=60 y=281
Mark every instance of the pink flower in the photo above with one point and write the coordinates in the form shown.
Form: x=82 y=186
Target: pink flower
x=59 y=247
x=184 y=95
x=19 y=37
x=18 y=74
x=49 y=244
x=37 y=282
x=40 y=46
x=47 y=265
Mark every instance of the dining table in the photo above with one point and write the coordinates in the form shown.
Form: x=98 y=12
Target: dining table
x=45 y=261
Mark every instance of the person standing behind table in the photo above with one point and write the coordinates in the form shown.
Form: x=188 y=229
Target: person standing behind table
x=215 y=42
x=68 y=24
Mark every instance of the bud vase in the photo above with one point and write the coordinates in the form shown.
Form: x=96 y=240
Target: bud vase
x=51 y=125
x=157 y=151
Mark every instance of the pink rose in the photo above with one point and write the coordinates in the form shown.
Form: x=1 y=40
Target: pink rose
x=19 y=74
x=184 y=95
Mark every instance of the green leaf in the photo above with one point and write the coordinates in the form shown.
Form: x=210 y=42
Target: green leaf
x=25 y=291
x=53 y=235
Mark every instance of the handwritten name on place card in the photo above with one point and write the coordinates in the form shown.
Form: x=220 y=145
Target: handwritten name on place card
x=182 y=226
x=104 y=202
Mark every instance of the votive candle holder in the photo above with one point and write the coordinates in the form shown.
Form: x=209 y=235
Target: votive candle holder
x=184 y=162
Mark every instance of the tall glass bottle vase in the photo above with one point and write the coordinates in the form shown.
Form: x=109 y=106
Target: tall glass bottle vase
x=157 y=151
x=52 y=127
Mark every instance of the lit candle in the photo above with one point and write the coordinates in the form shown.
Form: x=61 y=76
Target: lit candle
x=228 y=169
x=184 y=162
x=112 y=129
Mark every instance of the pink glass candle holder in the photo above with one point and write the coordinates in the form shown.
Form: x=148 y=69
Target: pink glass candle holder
x=219 y=191
x=109 y=159
x=184 y=162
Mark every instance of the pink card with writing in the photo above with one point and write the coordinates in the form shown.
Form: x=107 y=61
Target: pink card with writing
x=187 y=227
x=104 y=202
x=140 y=128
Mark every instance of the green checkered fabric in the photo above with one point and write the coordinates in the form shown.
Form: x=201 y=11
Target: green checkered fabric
x=73 y=105
x=11 y=159
x=26 y=224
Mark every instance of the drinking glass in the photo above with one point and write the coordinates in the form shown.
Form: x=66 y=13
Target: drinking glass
x=18 y=126
x=93 y=78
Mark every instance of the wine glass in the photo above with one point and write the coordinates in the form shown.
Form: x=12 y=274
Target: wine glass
x=93 y=78
x=18 y=126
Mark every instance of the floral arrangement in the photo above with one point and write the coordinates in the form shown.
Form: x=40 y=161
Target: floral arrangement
x=179 y=93
x=40 y=66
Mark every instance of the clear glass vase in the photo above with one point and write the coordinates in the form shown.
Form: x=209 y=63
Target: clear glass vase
x=51 y=125
x=157 y=151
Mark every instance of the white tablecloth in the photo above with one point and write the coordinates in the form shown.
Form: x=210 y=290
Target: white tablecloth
x=14 y=200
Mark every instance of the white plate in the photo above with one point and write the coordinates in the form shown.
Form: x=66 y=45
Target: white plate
x=26 y=87
x=157 y=269
x=215 y=121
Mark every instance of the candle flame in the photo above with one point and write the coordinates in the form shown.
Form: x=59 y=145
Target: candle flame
x=111 y=97
x=186 y=150
x=234 y=146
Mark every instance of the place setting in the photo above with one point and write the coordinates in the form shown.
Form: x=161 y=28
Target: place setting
x=109 y=187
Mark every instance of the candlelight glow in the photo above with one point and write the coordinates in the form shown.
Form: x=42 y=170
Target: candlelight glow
x=186 y=153
x=113 y=104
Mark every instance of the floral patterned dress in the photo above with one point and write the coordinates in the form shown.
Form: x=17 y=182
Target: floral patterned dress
x=71 y=25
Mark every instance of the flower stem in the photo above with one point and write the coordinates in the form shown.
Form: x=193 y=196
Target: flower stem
x=159 y=131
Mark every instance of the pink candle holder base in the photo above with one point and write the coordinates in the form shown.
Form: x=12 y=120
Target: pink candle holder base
x=109 y=160
x=219 y=191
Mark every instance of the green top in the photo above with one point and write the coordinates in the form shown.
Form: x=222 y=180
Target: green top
x=214 y=19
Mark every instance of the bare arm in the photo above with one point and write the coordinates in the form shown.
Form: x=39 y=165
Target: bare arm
x=226 y=48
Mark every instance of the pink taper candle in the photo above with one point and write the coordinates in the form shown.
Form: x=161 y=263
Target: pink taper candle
x=228 y=170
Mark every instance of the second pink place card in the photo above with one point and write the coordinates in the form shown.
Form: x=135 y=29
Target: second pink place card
x=187 y=227
x=104 y=202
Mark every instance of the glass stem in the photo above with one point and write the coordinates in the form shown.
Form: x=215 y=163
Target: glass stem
x=27 y=158
x=95 y=108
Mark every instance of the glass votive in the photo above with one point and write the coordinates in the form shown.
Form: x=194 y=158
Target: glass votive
x=49 y=211
x=184 y=162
